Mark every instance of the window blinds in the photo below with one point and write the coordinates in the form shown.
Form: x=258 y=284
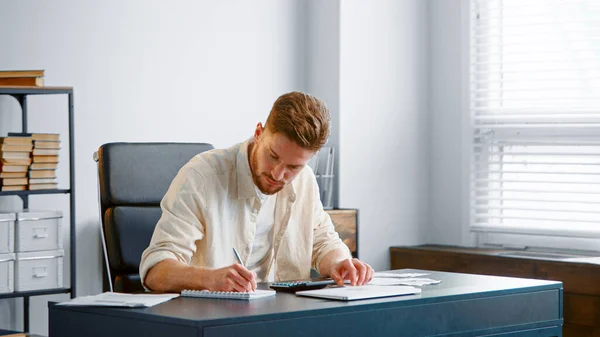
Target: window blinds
x=535 y=115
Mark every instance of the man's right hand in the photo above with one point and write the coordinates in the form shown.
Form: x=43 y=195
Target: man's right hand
x=173 y=276
x=232 y=278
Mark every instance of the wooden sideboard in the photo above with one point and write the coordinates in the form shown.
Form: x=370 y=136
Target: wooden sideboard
x=345 y=222
x=581 y=281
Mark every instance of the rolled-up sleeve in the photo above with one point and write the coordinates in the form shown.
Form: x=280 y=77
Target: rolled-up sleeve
x=181 y=222
x=325 y=238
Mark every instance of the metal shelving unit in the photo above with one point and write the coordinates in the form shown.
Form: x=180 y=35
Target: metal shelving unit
x=21 y=94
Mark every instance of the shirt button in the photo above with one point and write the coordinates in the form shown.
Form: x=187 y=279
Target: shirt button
x=255 y=211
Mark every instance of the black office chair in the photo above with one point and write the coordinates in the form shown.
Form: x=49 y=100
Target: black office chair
x=133 y=178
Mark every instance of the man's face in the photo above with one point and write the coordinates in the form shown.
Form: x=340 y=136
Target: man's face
x=275 y=160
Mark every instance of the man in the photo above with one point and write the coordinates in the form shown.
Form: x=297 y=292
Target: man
x=259 y=198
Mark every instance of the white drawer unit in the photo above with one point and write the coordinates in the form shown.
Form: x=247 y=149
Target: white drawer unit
x=39 y=270
x=37 y=230
x=7 y=232
x=7 y=265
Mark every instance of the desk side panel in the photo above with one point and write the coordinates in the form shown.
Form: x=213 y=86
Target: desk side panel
x=547 y=332
x=491 y=316
x=70 y=323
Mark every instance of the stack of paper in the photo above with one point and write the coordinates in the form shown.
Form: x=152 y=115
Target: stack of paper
x=409 y=281
x=109 y=299
x=397 y=275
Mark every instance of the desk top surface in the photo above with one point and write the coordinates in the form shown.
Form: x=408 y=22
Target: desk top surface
x=454 y=286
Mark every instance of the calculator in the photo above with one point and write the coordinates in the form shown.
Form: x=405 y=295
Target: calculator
x=293 y=286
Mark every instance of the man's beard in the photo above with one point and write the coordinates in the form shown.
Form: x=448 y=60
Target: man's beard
x=256 y=177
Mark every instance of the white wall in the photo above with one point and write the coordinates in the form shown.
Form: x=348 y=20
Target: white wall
x=323 y=67
x=208 y=71
x=384 y=122
x=144 y=71
x=449 y=122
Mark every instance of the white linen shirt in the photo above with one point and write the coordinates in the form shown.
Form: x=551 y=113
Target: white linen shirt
x=211 y=207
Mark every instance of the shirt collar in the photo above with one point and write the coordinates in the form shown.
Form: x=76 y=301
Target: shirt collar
x=245 y=184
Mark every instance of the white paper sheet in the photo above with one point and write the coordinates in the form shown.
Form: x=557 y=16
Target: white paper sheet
x=388 y=274
x=408 y=281
x=109 y=299
x=592 y=260
x=359 y=292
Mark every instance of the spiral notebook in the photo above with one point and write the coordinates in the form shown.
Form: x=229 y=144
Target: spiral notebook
x=229 y=294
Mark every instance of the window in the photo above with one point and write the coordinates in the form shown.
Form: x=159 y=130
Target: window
x=535 y=116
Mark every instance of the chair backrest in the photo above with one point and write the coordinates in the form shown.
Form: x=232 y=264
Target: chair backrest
x=133 y=178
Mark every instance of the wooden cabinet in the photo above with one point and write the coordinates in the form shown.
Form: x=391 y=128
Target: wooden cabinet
x=345 y=222
x=581 y=281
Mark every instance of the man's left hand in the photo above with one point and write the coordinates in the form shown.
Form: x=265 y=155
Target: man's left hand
x=354 y=270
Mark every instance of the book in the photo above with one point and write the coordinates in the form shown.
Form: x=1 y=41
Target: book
x=41 y=174
x=14 y=188
x=17 y=140
x=43 y=166
x=45 y=159
x=15 y=148
x=47 y=186
x=230 y=295
x=37 y=136
x=36 y=181
x=13 y=168
x=15 y=161
x=45 y=152
x=14 y=155
x=359 y=292
x=21 y=73
x=14 y=181
x=13 y=174
x=46 y=144
x=45 y=136
x=22 y=82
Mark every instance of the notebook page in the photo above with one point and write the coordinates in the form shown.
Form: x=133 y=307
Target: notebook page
x=258 y=293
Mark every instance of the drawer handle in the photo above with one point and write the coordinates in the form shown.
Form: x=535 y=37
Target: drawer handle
x=40 y=272
x=40 y=233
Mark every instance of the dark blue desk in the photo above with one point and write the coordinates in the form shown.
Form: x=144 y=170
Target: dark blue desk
x=462 y=305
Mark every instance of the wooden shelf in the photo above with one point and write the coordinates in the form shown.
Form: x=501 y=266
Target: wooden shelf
x=581 y=294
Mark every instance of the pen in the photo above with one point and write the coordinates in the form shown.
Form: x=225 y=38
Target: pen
x=238 y=256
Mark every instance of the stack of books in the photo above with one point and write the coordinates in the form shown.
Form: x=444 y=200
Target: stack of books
x=42 y=159
x=15 y=157
x=21 y=78
x=42 y=172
